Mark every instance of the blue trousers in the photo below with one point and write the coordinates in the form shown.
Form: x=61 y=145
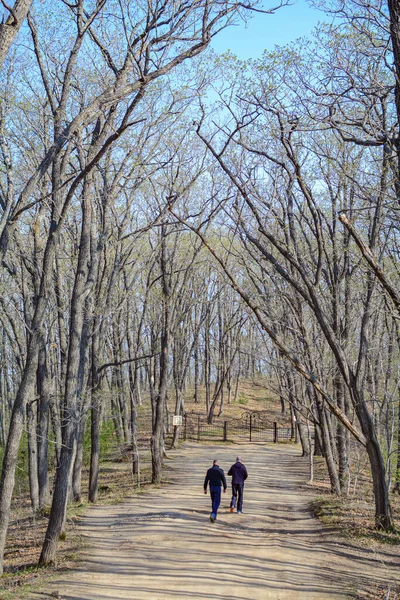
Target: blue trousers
x=215 y=493
x=237 y=494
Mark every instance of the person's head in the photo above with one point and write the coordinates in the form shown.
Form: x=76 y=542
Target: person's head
x=238 y=459
x=215 y=462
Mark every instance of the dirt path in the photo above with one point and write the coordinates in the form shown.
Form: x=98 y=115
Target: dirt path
x=162 y=546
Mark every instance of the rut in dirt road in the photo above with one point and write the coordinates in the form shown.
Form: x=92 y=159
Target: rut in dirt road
x=161 y=545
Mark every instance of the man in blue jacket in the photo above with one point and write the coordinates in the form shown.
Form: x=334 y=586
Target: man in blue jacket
x=238 y=472
x=216 y=478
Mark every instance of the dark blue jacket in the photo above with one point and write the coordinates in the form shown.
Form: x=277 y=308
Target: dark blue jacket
x=215 y=476
x=238 y=473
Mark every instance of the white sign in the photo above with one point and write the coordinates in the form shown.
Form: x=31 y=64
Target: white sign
x=177 y=420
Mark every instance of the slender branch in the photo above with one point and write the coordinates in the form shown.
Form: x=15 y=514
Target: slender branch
x=126 y=361
x=372 y=262
x=11 y=11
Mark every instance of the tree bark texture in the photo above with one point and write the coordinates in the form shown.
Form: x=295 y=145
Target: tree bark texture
x=72 y=411
x=43 y=426
x=10 y=28
x=31 y=410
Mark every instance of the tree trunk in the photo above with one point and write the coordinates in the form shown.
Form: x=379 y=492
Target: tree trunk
x=396 y=487
x=207 y=362
x=78 y=462
x=116 y=409
x=95 y=413
x=216 y=394
x=135 y=449
x=383 y=512
x=157 y=442
x=62 y=328
x=328 y=453
x=11 y=26
x=71 y=403
x=95 y=446
x=394 y=12
x=55 y=411
x=236 y=395
x=196 y=365
x=31 y=410
x=341 y=435
x=60 y=495
x=318 y=445
x=43 y=427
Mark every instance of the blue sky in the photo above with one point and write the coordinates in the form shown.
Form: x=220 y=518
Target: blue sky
x=265 y=31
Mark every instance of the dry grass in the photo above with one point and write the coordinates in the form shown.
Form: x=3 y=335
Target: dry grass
x=352 y=514
x=252 y=396
x=379 y=592
x=353 y=518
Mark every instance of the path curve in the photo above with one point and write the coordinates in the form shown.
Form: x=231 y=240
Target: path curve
x=160 y=545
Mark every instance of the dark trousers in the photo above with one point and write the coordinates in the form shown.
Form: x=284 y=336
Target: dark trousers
x=215 y=493
x=237 y=494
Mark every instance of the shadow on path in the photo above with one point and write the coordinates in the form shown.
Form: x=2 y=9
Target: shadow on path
x=161 y=545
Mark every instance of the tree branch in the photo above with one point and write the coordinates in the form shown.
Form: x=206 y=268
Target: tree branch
x=126 y=361
x=372 y=262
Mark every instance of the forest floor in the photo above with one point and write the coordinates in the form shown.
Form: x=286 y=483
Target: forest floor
x=160 y=544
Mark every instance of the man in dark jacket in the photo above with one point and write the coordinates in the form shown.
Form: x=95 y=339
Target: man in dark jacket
x=216 y=478
x=238 y=472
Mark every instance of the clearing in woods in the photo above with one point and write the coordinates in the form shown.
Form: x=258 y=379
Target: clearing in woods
x=160 y=545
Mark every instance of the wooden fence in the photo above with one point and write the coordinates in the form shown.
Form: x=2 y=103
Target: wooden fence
x=251 y=427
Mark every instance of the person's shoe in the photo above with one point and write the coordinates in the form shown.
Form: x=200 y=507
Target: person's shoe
x=212 y=517
x=239 y=512
x=232 y=509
